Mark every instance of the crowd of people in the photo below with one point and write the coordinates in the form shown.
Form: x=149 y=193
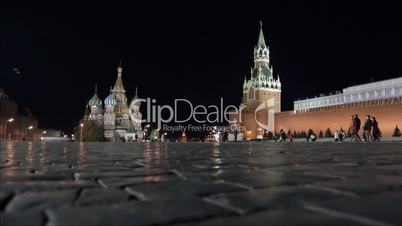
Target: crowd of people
x=371 y=131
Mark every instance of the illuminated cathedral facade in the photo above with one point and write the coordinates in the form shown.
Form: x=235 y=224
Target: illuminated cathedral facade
x=118 y=119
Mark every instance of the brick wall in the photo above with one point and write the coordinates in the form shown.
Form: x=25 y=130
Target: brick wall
x=388 y=113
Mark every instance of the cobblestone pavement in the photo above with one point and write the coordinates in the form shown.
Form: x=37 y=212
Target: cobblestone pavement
x=201 y=184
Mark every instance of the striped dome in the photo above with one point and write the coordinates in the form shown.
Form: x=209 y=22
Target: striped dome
x=95 y=101
x=110 y=100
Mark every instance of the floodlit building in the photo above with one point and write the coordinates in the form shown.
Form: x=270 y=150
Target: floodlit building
x=117 y=117
x=260 y=109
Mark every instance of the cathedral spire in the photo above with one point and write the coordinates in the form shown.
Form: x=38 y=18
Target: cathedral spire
x=261 y=39
x=87 y=112
x=119 y=69
x=119 y=82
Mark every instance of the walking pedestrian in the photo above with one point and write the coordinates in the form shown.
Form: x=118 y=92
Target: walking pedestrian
x=282 y=135
x=341 y=135
x=290 y=136
x=313 y=137
x=336 y=136
x=352 y=128
x=357 y=126
x=367 y=128
x=376 y=130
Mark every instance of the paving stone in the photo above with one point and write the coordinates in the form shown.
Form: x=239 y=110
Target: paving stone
x=366 y=184
x=170 y=190
x=101 y=196
x=196 y=183
x=4 y=198
x=396 y=168
x=38 y=177
x=271 y=198
x=137 y=213
x=22 y=186
x=385 y=207
x=22 y=219
x=259 y=179
x=123 y=173
x=41 y=200
x=279 y=217
x=127 y=181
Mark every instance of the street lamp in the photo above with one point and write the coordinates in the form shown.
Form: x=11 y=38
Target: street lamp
x=5 y=126
x=81 y=125
x=26 y=130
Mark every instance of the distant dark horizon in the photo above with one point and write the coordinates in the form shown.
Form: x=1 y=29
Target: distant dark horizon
x=197 y=51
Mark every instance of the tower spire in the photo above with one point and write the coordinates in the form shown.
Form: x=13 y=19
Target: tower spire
x=261 y=39
x=119 y=69
x=119 y=82
x=96 y=88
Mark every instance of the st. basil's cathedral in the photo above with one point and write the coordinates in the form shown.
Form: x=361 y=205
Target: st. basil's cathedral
x=117 y=118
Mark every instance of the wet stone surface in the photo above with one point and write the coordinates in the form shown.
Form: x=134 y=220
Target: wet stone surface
x=200 y=184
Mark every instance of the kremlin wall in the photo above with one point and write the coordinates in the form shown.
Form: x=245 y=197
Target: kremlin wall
x=388 y=113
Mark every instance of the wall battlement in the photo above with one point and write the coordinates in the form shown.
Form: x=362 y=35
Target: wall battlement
x=370 y=103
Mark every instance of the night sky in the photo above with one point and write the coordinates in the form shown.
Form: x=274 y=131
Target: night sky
x=200 y=51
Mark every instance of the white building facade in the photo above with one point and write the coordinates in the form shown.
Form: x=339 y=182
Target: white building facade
x=389 y=88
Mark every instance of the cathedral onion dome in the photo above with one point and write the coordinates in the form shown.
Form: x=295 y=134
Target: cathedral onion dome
x=110 y=100
x=95 y=101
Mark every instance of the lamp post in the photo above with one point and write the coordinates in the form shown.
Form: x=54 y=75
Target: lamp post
x=81 y=125
x=26 y=130
x=5 y=126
